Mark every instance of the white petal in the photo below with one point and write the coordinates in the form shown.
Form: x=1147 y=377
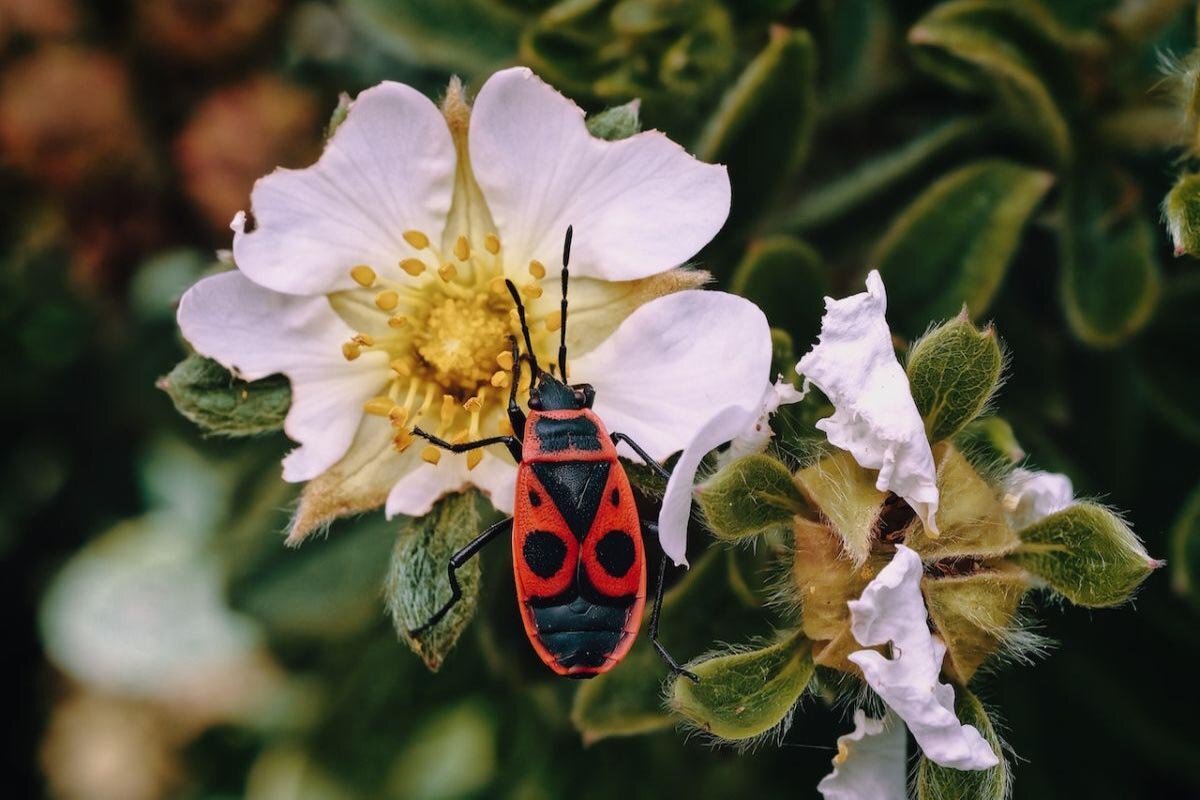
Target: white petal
x=1030 y=495
x=418 y=489
x=256 y=332
x=870 y=764
x=674 y=362
x=756 y=438
x=875 y=418
x=891 y=609
x=388 y=168
x=639 y=206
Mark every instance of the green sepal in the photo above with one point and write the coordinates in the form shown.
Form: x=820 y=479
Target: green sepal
x=210 y=396
x=974 y=614
x=988 y=441
x=1087 y=554
x=784 y=277
x=744 y=695
x=845 y=495
x=953 y=244
x=970 y=516
x=1109 y=276
x=935 y=782
x=1185 y=550
x=1181 y=212
x=617 y=122
x=417 y=584
x=954 y=370
x=748 y=497
x=762 y=128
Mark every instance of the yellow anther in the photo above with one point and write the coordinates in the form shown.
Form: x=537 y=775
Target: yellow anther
x=505 y=427
x=537 y=269
x=401 y=367
x=351 y=351
x=554 y=321
x=492 y=243
x=431 y=455
x=379 y=406
x=364 y=339
x=526 y=380
x=462 y=248
x=473 y=404
x=460 y=437
x=416 y=239
x=398 y=417
x=501 y=379
x=363 y=275
x=397 y=321
x=532 y=290
x=402 y=441
x=387 y=300
x=447 y=272
x=505 y=360
x=497 y=285
x=473 y=459
x=413 y=266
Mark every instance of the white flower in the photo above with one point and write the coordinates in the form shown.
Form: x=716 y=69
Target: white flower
x=870 y=762
x=1030 y=495
x=374 y=280
x=875 y=418
x=892 y=610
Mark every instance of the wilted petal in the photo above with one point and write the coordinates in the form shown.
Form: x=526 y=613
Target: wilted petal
x=875 y=418
x=255 y=332
x=870 y=763
x=1030 y=495
x=892 y=609
x=639 y=206
x=388 y=168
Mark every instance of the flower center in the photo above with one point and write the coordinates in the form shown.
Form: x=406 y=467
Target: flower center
x=445 y=322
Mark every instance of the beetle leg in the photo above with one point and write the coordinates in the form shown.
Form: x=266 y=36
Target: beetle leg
x=617 y=438
x=656 y=611
x=457 y=560
x=511 y=442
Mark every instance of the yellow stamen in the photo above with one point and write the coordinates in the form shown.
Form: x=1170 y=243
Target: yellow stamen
x=351 y=351
x=387 y=300
x=501 y=379
x=447 y=272
x=365 y=339
x=379 y=406
x=449 y=409
x=554 y=321
x=398 y=417
x=505 y=360
x=413 y=266
x=473 y=404
x=401 y=367
x=492 y=243
x=397 y=321
x=431 y=455
x=537 y=269
x=533 y=290
x=462 y=248
x=416 y=239
x=402 y=441
x=514 y=316
x=363 y=275
x=497 y=285
x=473 y=459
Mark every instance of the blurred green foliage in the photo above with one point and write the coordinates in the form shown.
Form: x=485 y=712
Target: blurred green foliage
x=1009 y=155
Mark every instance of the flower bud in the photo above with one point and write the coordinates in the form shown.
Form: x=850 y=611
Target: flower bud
x=954 y=370
x=749 y=497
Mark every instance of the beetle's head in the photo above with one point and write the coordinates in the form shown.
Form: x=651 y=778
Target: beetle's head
x=550 y=394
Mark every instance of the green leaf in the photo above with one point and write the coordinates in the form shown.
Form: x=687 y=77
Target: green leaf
x=746 y=694
x=1181 y=211
x=875 y=176
x=618 y=122
x=990 y=440
x=1012 y=51
x=1185 y=550
x=935 y=782
x=764 y=123
x=954 y=370
x=784 y=277
x=1110 y=273
x=1087 y=554
x=1167 y=354
x=953 y=244
x=474 y=36
x=749 y=497
x=417 y=584
x=452 y=754
x=858 y=59
x=208 y=395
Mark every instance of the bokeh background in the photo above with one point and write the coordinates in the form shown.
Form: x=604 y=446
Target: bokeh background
x=1009 y=155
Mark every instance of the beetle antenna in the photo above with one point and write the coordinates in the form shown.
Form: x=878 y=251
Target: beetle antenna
x=533 y=363
x=562 y=341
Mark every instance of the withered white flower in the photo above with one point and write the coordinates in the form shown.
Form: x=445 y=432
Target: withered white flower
x=875 y=419
x=870 y=762
x=374 y=280
x=1030 y=495
x=892 y=610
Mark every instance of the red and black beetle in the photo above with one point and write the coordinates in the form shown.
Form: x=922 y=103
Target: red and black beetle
x=579 y=557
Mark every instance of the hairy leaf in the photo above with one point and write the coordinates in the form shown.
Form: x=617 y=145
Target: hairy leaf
x=208 y=394
x=749 y=497
x=954 y=370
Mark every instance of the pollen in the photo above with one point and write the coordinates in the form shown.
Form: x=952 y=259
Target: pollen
x=431 y=455
x=505 y=427
x=491 y=243
x=473 y=404
x=447 y=272
x=387 y=300
x=537 y=269
x=462 y=248
x=351 y=351
x=417 y=239
x=413 y=266
x=398 y=417
x=363 y=275
x=501 y=380
x=505 y=360
x=364 y=339
x=398 y=321
x=379 y=406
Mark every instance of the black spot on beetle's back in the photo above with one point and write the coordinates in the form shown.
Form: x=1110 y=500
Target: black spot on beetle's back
x=616 y=553
x=544 y=553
